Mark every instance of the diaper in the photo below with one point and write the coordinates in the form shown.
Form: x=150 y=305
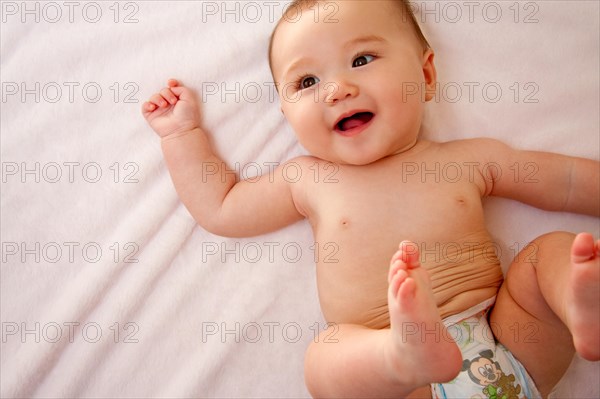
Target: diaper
x=489 y=369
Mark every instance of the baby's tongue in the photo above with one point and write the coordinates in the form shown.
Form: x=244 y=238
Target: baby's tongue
x=356 y=120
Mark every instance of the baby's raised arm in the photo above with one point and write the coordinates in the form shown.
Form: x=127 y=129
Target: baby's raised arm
x=209 y=190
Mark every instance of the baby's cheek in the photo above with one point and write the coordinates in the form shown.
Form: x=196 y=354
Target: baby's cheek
x=403 y=89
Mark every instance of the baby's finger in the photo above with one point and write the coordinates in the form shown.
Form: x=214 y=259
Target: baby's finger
x=179 y=90
x=172 y=83
x=158 y=100
x=168 y=95
x=148 y=107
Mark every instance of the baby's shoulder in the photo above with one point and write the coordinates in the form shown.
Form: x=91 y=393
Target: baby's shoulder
x=304 y=173
x=472 y=149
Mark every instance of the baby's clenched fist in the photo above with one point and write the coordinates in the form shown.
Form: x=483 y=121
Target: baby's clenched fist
x=172 y=110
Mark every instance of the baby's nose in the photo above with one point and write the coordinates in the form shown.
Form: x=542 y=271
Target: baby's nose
x=339 y=90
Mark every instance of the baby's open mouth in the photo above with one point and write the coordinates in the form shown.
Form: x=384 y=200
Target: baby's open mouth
x=354 y=121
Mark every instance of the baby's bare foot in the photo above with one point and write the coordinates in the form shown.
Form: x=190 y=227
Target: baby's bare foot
x=583 y=296
x=421 y=342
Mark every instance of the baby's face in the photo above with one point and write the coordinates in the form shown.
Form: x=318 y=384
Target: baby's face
x=350 y=77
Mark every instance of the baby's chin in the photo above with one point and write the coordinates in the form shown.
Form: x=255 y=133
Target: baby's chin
x=351 y=159
x=362 y=157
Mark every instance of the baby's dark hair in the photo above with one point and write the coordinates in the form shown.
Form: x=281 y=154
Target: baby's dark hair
x=404 y=8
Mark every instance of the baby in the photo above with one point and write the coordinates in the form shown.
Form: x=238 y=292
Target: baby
x=420 y=323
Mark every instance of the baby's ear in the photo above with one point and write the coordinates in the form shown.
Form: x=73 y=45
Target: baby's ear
x=429 y=73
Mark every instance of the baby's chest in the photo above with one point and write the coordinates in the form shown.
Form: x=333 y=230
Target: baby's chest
x=358 y=207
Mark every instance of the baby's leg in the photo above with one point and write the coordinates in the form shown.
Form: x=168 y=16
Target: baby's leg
x=549 y=306
x=392 y=362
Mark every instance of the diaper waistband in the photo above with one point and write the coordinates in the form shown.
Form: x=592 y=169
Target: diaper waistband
x=480 y=307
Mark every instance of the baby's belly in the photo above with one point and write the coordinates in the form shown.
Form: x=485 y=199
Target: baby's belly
x=463 y=273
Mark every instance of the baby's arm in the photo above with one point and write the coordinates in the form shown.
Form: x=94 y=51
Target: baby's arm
x=546 y=180
x=206 y=187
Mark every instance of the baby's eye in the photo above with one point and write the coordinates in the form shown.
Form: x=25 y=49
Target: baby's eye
x=306 y=82
x=362 y=60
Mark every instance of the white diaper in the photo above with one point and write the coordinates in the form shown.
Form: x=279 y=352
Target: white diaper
x=489 y=369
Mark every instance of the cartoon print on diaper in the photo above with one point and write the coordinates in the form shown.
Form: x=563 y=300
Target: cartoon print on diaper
x=487 y=373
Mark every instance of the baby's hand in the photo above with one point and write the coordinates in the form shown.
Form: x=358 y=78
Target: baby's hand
x=172 y=110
